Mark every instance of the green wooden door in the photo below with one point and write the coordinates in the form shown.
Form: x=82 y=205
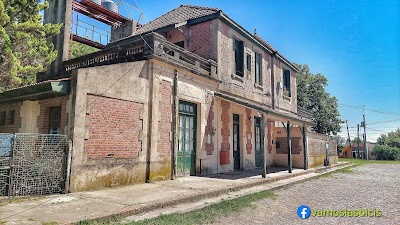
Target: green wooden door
x=236 y=142
x=186 y=156
x=257 y=141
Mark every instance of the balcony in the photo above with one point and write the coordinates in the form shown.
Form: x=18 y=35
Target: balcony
x=142 y=47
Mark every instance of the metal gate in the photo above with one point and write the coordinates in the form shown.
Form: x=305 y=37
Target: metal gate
x=37 y=164
x=6 y=143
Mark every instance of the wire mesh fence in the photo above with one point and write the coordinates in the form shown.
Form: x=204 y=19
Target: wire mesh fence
x=34 y=164
x=6 y=143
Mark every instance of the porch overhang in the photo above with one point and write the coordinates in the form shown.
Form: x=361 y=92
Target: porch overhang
x=47 y=89
x=271 y=113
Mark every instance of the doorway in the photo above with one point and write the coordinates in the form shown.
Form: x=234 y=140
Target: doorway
x=186 y=156
x=236 y=142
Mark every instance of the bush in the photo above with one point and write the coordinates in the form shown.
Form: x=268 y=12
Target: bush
x=385 y=152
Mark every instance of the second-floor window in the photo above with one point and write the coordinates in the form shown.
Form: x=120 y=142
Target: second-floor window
x=239 y=57
x=286 y=83
x=258 y=69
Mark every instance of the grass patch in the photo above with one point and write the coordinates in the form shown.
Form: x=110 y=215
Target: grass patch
x=49 y=223
x=2 y=222
x=105 y=221
x=209 y=213
x=7 y=201
x=347 y=170
x=360 y=162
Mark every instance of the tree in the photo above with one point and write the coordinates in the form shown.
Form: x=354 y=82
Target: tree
x=312 y=96
x=357 y=140
x=386 y=152
x=340 y=143
x=391 y=139
x=79 y=49
x=24 y=42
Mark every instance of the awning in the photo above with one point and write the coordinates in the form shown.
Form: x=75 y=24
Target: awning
x=43 y=90
x=277 y=115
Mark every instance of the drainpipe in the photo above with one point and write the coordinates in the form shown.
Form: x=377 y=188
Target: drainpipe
x=175 y=127
x=150 y=122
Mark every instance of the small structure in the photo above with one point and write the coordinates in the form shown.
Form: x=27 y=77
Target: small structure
x=190 y=93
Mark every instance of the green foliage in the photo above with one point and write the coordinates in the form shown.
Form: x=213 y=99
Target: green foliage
x=391 y=139
x=340 y=143
x=385 y=152
x=79 y=49
x=311 y=95
x=24 y=43
x=357 y=140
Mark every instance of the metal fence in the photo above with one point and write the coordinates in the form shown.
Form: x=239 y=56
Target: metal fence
x=36 y=164
x=6 y=143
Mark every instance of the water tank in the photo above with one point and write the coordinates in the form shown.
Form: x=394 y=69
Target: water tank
x=98 y=2
x=110 y=5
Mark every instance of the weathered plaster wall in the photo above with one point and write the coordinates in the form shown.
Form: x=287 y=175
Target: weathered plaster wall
x=281 y=156
x=316 y=149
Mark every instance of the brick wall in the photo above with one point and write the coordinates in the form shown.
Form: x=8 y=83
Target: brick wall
x=225 y=133
x=43 y=119
x=113 y=128
x=317 y=152
x=200 y=39
x=282 y=142
x=8 y=107
x=209 y=129
x=165 y=119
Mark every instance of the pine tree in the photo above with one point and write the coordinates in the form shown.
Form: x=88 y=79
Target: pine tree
x=24 y=46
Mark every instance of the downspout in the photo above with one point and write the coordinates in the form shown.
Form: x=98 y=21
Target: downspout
x=175 y=127
x=150 y=121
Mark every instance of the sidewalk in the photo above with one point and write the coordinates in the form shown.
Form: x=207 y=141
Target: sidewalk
x=142 y=198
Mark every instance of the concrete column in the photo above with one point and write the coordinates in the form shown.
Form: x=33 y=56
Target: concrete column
x=305 y=147
x=289 y=146
x=59 y=12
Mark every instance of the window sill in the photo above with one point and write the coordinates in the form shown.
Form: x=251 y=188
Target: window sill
x=287 y=98
x=259 y=87
x=237 y=78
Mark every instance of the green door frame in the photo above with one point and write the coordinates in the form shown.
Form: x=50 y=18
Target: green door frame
x=236 y=144
x=187 y=111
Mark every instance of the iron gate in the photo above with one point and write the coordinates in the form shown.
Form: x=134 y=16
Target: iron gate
x=6 y=143
x=36 y=164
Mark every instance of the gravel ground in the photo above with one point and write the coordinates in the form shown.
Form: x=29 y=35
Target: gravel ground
x=371 y=186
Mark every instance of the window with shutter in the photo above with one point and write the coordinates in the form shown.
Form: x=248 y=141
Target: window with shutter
x=286 y=82
x=54 y=120
x=12 y=116
x=239 y=57
x=3 y=115
x=258 y=69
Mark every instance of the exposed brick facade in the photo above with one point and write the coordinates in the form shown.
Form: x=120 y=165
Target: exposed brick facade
x=249 y=132
x=296 y=147
x=209 y=129
x=113 y=128
x=200 y=39
x=225 y=133
x=9 y=127
x=225 y=57
x=43 y=120
x=165 y=119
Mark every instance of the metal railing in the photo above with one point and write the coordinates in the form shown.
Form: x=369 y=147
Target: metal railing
x=88 y=31
x=143 y=47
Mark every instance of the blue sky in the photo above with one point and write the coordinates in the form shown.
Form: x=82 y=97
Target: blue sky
x=355 y=44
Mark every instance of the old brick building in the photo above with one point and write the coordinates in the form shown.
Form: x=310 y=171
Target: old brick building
x=191 y=93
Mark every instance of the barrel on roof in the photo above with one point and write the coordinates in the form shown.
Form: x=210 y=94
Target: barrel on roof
x=98 y=2
x=110 y=5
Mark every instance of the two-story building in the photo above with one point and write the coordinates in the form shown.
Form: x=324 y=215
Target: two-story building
x=190 y=93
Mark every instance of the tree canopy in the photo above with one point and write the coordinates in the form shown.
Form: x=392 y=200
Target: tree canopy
x=311 y=95
x=392 y=139
x=24 y=47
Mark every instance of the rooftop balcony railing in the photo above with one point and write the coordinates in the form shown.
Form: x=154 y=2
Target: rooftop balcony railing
x=141 y=47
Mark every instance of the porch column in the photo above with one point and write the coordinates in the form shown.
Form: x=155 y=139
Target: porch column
x=175 y=125
x=262 y=134
x=305 y=147
x=289 y=145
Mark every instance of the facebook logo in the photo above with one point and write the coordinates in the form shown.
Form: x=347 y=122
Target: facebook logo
x=303 y=212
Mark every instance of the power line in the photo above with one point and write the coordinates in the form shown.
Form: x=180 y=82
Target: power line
x=370 y=110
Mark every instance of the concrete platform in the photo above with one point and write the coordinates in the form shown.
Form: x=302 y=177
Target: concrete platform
x=141 y=198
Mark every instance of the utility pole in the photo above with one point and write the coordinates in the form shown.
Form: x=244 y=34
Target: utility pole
x=365 y=137
x=358 y=141
x=348 y=136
